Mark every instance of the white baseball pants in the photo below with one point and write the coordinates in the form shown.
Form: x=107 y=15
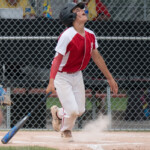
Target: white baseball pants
x=71 y=93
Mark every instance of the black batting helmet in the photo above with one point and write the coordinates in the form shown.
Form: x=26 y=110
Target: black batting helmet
x=67 y=16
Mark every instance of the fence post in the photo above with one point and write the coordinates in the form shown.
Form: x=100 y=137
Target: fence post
x=93 y=106
x=8 y=110
x=109 y=107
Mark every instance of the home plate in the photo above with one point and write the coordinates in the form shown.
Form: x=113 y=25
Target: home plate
x=95 y=147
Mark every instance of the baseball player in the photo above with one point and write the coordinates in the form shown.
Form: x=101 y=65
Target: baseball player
x=76 y=45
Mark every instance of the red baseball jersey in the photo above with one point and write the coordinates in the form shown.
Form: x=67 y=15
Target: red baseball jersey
x=76 y=49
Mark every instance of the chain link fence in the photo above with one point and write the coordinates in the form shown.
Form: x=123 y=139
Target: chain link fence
x=27 y=43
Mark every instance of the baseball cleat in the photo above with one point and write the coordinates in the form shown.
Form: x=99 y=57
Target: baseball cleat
x=56 y=122
x=67 y=136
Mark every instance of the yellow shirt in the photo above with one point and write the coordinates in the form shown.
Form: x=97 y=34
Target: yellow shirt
x=24 y=4
x=92 y=10
x=47 y=11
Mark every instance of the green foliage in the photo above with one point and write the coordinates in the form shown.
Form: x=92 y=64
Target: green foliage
x=54 y=101
x=118 y=104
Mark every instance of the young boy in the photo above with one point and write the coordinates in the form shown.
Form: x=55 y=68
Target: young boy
x=75 y=47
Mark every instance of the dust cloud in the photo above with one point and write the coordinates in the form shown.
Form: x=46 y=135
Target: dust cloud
x=99 y=125
x=94 y=131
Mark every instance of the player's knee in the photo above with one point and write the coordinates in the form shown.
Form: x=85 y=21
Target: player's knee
x=74 y=113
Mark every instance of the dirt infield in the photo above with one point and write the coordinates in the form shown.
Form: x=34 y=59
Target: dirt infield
x=82 y=140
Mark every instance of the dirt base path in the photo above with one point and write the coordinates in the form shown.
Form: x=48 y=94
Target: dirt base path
x=82 y=140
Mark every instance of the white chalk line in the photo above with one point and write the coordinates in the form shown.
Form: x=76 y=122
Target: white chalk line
x=99 y=146
x=102 y=144
x=92 y=146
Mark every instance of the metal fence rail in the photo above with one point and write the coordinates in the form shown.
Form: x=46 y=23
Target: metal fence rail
x=56 y=37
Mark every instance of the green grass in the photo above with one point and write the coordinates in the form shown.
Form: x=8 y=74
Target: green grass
x=118 y=104
x=26 y=148
x=88 y=104
x=52 y=101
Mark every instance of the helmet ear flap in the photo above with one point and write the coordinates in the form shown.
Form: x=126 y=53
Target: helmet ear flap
x=74 y=16
x=71 y=20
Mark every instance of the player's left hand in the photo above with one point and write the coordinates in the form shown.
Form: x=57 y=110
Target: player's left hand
x=50 y=87
x=113 y=85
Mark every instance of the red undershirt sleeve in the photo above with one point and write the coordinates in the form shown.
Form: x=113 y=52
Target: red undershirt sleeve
x=55 y=65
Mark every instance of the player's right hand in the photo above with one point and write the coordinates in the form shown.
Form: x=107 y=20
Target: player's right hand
x=113 y=85
x=50 y=87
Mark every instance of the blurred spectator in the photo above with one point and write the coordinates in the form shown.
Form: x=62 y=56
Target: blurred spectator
x=97 y=10
x=4 y=101
x=16 y=9
x=47 y=11
x=1 y=117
